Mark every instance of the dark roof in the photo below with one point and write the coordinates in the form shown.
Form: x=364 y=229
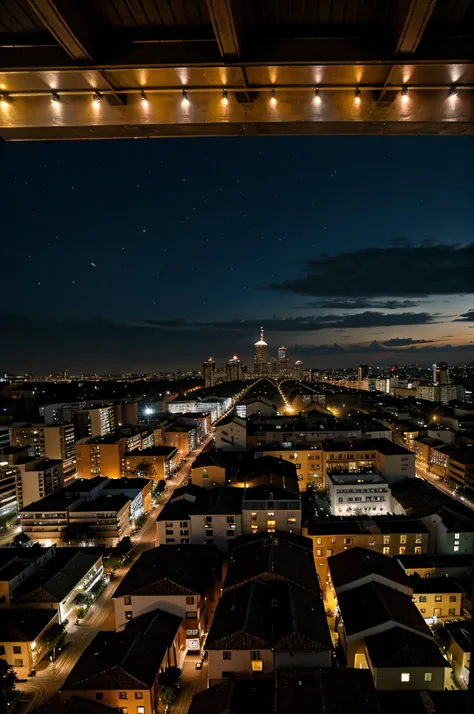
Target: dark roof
x=272 y=558
x=126 y=482
x=225 y=499
x=233 y=697
x=106 y=502
x=57 y=577
x=130 y=659
x=74 y=705
x=432 y=702
x=434 y=585
x=356 y=563
x=384 y=446
x=85 y=485
x=399 y=647
x=461 y=632
x=170 y=570
x=455 y=523
x=179 y=510
x=333 y=690
x=373 y=604
x=276 y=615
x=24 y=625
x=419 y=498
x=211 y=457
x=251 y=538
x=270 y=466
x=271 y=492
x=153 y=451
x=434 y=561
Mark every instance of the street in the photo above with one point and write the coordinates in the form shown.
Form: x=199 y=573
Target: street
x=441 y=486
x=42 y=688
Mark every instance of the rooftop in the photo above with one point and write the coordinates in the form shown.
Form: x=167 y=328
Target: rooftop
x=170 y=570
x=24 y=625
x=373 y=604
x=384 y=446
x=353 y=525
x=293 y=538
x=434 y=561
x=153 y=451
x=398 y=647
x=356 y=564
x=130 y=659
x=349 y=478
x=461 y=632
x=434 y=585
x=233 y=697
x=103 y=503
x=268 y=615
x=219 y=500
x=272 y=558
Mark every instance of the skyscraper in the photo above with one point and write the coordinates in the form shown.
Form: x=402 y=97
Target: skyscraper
x=233 y=369
x=209 y=371
x=441 y=373
x=298 y=371
x=283 y=364
x=260 y=355
x=362 y=372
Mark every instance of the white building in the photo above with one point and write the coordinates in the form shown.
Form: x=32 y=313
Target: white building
x=215 y=406
x=355 y=494
x=231 y=434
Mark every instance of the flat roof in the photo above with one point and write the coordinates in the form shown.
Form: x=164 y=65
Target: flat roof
x=348 y=478
x=153 y=451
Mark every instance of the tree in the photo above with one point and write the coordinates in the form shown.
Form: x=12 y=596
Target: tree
x=124 y=545
x=8 y=680
x=21 y=539
x=168 y=696
x=158 y=488
x=171 y=677
x=54 y=637
x=144 y=468
x=140 y=520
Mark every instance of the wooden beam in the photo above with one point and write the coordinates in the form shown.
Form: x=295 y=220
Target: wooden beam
x=225 y=28
x=71 y=32
x=411 y=23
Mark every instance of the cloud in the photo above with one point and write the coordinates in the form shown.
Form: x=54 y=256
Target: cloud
x=378 y=348
x=466 y=316
x=362 y=304
x=401 y=270
x=404 y=341
x=309 y=323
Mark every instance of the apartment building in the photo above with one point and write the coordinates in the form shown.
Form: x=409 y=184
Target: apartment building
x=308 y=460
x=52 y=441
x=392 y=461
x=9 y=476
x=90 y=418
x=36 y=479
x=437 y=598
x=365 y=492
x=20 y=638
x=268 y=508
x=105 y=455
x=160 y=462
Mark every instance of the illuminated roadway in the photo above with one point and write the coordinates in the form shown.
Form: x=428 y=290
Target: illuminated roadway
x=441 y=486
x=42 y=688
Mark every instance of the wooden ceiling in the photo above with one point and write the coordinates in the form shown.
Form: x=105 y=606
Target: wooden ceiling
x=234 y=67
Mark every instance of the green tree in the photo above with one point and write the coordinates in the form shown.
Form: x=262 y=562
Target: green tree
x=124 y=545
x=54 y=637
x=168 y=696
x=8 y=680
x=171 y=677
x=140 y=520
x=145 y=469
x=158 y=488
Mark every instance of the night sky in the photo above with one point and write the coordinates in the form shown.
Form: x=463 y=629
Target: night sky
x=155 y=254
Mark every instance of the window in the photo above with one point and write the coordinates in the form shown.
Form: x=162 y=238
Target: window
x=138 y=695
x=438 y=598
x=417 y=550
x=16 y=649
x=427 y=676
x=227 y=674
x=319 y=552
x=422 y=610
x=291 y=519
x=329 y=552
x=190 y=600
x=257 y=665
x=123 y=710
x=128 y=614
x=140 y=710
x=419 y=539
x=405 y=677
x=386 y=550
x=230 y=534
x=191 y=615
x=99 y=696
x=271 y=523
x=456 y=535
x=403 y=539
x=319 y=541
x=183 y=524
x=123 y=695
x=254 y=654
x=227 y=655
x=451 y=611
x=185 y=541
x=422 y=598
x=452 y=598
x=18 y=663
x=332 y=541
x=208 y=519
x=456 y=548
x=169 y=540
x=347 y=541
x=402 y=550
x=127 y=600
x=209 y=534
x=386 y=539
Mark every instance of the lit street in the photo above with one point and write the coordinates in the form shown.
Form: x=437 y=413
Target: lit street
x=49 y=678
x=441 y=486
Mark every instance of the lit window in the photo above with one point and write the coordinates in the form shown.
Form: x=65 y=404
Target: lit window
x=456 y=548
x=319 y=552
x=427 y=676
x=122 y=695
x=140 y=710
x=403 y=539
x=456 y=535
x=405 y=677
x=128 y=614
x=319 y=541
x=257 y=665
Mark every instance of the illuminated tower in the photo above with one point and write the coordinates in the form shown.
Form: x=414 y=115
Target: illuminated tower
x=233 y=369
x=283 y=364
x=209 y=371
x=260 y=355
x=298 y=372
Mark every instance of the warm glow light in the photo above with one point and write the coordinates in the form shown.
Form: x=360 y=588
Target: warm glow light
x=5 y=99
x=225 y=99
x=185 y=98
x=453 y=92
x=317 y=98
x=273 y=97
x=55 y=97
x=144 y=97
x=404 y=94
x=357 y=95
x=97 y=97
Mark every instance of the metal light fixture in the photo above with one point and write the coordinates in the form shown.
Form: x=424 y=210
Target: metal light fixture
x=97 y=97
x=357 y=94
x=273 y=97
x=317 y=98
x=404 y=93
x=185 y=97
x=225 y=99
x=453 y=92
x=55 y=97
x=144 y=97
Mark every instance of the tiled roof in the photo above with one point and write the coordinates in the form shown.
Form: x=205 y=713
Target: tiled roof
x=399 y=647
x=355 y=564
x=233 y=697
x=170 y=570
x=24 y=625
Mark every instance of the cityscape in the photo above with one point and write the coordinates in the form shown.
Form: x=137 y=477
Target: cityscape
x=237 y=356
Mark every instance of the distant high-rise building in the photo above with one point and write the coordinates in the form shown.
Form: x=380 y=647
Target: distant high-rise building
x=441 y=373
x=233 y=369
x=209 y=371
x=298 y=371
x=283 y=362
x=260 y=355
x=362 y=372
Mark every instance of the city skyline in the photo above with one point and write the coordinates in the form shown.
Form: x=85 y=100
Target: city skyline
x=158 y=269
